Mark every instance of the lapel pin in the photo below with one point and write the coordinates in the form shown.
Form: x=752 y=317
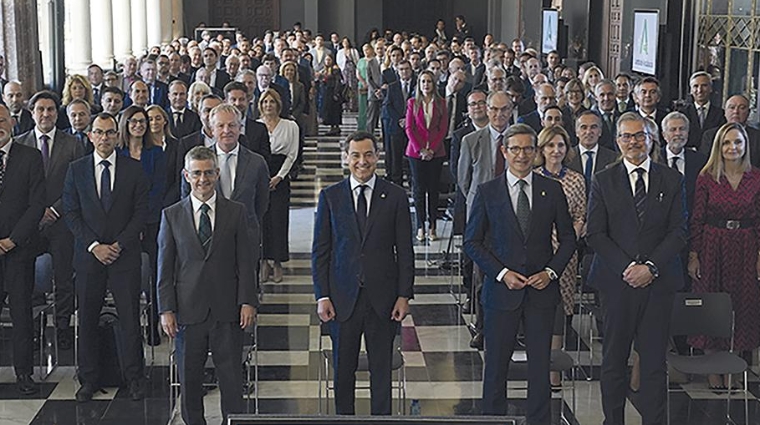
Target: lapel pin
x=543 y=193
x=659 y=197
x=382 y=196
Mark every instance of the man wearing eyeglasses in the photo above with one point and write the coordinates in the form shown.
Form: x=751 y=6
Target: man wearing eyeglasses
x=509 y=237
x=106 y=224
x=637 y=228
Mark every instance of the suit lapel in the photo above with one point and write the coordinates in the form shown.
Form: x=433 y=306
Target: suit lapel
x=221 y=221
x=539 y=204
x=119 y=178
x=347 y=210
x=55 y=154
x=187 y=223
x=242 y=167
x=624 y=183
x=655 y=185
x=505 y=208
x=379 y=196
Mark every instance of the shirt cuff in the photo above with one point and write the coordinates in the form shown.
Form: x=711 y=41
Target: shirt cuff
x=552 y=274
x=54 y=211
x=92 y=246
x=323 y=298
x=500 y=276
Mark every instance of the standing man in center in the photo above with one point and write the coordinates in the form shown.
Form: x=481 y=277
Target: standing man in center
x=637 y=228
x=509 y=236
x=363 y=270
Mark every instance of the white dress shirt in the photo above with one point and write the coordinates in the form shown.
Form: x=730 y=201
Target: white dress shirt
x=98 y=174
x=7 y=150
x=633 y=176
x=196 y=203
x=233 y=161
x=681 y=160
x=514 y=188
x=355 y=190
x=51 y=139
x=582 y=150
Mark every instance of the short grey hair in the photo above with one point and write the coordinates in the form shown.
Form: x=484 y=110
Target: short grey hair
x=630 y=116
x=201 y=153
x=675 y=115
x=225 y=108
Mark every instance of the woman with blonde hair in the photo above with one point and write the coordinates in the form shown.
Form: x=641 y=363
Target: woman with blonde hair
x=554 y=153
x=289 y=70
x=591 y=77
x=76 y=87
x=575 y=96
x=725 y=239
x=195 y=93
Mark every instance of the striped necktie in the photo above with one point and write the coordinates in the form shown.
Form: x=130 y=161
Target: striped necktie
x=640 y=193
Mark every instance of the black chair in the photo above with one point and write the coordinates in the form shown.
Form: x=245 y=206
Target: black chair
x=712 y=315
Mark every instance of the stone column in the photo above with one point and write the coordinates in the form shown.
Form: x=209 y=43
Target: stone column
x=139 y=27
x=19 y=41
x=79 y=52
x=154 y=18
x=122 y=28
x=178 y=18
x=166 y=21
x=102 y=32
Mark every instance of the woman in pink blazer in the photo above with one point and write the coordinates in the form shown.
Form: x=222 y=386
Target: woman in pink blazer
x=426 y=127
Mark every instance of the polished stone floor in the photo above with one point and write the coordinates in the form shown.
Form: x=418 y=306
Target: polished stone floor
x=442 y=371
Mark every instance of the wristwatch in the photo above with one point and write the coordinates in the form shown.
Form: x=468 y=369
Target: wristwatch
x=653 y=269
x=551 y=273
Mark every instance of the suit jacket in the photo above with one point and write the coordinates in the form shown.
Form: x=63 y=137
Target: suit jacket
x=253 y=110
x=25 y=123
x=222 y=78
x=477 y=163
x=153 y=163
x=568 y=122
x=394 y=105
x=374 y=78
x=477 y=77
x=603 y=158
x=494 y=240
x=382 y=260
x=389 y=75
x=298 y=105
x=533 y=120
x=183 y=147
x=256 y=139
x=460 y=108
x=160 y=94
x=715 y=118
x=173 y=174
x=22 y=199
x=608 y=137
x=90 y=222
x=66 y=149
x=618 y=239
x=191 y=123
x=456 y=147
x=82 y=138
x=420 y=134
x=182 y=77
x=754 y=143
x=192 y=282
x=693 y=164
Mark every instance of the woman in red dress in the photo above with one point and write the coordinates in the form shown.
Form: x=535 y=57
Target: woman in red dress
x=725 y=236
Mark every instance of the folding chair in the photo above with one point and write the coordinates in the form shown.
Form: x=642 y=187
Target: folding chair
x=326 y=383
x=712 y=315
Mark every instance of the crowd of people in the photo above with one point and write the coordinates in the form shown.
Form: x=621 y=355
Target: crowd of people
x=559 y=172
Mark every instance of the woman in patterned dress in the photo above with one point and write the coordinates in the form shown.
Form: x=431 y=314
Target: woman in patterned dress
x=725 y=237
x=553 y=154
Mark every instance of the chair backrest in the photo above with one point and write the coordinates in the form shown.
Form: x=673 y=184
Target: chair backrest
x=708 y=314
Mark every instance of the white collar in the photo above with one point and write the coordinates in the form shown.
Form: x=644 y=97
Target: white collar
x=645 y=165
x=356 y=183
x=38 y=133
x=197 y=202
x=513 y=179
x=111 y=158
x=234 y=151
x=582 y=149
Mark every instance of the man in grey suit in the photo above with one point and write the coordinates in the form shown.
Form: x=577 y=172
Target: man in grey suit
x=58 y=150
x=480 y=161
x=375 y=93
x=206 y=285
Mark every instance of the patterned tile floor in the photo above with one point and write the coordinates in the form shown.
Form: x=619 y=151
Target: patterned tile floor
x=443 y=372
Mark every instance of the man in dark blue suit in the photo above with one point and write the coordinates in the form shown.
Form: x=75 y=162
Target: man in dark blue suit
x=545 y=96
x=158 y=91
x=22 y=196
x=509 y=236
x=394 y=118
x=701 y=112
x=105 y=199
x=637 y=228
x=363 y=271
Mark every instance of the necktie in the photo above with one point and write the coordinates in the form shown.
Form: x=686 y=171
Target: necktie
x=500 y=165
x=45 y=149
x=702 y=114
x=405 y=89
x=204 y=227
x=588 y=171
x=2 y=167
x=177 y=118
x=96 y=93
x=608 y=121
x=452 y=114
x=16 y=125
x=225 y=177
x=105 y=185
x=622 y=106
x=523 y=208
x=640 y=194
x=674 y=163
x=361 y=209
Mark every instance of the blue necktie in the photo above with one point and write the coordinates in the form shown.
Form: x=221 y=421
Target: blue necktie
x=589 y=170
x=105 y=185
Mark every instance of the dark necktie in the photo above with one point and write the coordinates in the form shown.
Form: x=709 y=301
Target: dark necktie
x=640 y=194
x=17 y=124
x=204 y=227
x=588 y=172
x=96 y=93
x=177 y=118
x=500 y=165
x=2 y=167
x=702 y=113
x=105 y=185
x=608 y=121
x=674 y=163
x=361 y=209
x=523 y=208
x=45 y=149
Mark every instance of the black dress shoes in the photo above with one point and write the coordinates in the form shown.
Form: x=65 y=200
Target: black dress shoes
x=136 y=390
x=85 y=392
x=26 y=385
x=477 y=341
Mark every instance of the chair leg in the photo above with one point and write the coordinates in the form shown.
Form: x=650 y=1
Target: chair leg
x=746 y=399
x=728 y=399
x=667 y=395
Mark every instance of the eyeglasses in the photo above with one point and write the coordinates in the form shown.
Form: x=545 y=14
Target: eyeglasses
x=515 y=150
x=100 y=133
x=136 y=121
x=641 y=136
x=502 y=110
x=196 y=174
x=478 y=103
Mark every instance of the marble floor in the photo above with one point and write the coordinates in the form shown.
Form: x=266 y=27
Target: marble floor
x=442 y=372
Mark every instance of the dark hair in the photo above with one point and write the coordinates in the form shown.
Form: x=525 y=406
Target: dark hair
x=268 y=57
x=114 y=90
x=177 y=82
x=235 y=85
x=513 y=83
x=107 y=116
x=45 y=94
x=518 y=129
x=94 y=65
x=361 y=135
x=476 y=91
x=549 y=108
